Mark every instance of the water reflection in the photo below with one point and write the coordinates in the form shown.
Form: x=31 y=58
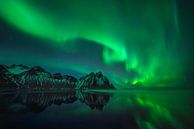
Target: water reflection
x=104 y=109
x=158 y=109
x=38 y=101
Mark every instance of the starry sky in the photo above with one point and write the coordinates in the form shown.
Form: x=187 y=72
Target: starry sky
x=147 y=42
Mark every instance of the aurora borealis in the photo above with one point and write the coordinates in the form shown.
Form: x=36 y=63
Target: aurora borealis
x=131 y=41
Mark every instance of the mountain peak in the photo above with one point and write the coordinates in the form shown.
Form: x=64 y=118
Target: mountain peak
x=37 y=77
x=94 y=81
x=99 y=74
x=57 y=76
x=19 y=65
x=37 y=69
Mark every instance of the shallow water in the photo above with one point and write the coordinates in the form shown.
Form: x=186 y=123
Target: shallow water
x=140 y=109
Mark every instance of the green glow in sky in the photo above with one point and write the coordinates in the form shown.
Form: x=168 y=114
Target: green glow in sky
x=140 y=35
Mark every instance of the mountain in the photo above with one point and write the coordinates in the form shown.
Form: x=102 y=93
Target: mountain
x=94 y=81
x=3 y=69
x=6 y=78
x=36 y=77
x=6 y=81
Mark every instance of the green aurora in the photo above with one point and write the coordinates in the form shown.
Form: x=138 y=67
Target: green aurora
x=142 y=36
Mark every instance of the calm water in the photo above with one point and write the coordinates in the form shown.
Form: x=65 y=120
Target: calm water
x=97 y=110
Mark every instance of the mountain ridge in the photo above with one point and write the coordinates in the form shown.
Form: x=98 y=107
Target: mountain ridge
x=22 y=76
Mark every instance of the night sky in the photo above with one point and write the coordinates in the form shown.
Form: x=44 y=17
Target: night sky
x=147 y=42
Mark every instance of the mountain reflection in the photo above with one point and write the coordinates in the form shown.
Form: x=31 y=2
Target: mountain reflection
x=38 y=101
x=121 y=109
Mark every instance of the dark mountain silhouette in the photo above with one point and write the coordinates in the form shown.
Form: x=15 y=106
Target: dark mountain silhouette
x=3 y=68
x=21 y=76
x=5 y=80
x=94 y=81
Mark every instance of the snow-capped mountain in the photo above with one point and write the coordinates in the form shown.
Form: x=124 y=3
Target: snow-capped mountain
x=94 y=81
x=22 y=76
x=37 y=77
x=17 y=69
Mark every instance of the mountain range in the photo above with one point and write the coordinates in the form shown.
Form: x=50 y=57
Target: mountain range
x=22 y=76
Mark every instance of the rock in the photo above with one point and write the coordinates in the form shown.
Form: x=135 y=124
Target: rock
x=57 y=76
x=3 y=68
x=36 y=77
x=6 y=81
x=37 y=69
x=20 y=66
x=94 y=81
